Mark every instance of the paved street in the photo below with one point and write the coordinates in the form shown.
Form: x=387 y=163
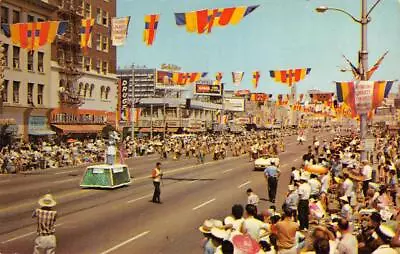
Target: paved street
x=123 y=220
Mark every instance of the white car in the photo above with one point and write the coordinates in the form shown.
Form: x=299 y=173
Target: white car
x=265 y=161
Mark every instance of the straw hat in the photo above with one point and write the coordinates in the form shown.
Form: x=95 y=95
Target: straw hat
x=209 y=224
x=344 y=198
x=219 y=233
x=47 y=201
x=291 y=188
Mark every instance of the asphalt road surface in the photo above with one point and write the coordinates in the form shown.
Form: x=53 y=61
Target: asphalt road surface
x=123 y=220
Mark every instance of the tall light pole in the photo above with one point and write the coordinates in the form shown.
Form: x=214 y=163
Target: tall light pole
x=363 y=55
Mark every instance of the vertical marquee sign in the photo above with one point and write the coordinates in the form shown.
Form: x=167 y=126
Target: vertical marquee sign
x=125 y=98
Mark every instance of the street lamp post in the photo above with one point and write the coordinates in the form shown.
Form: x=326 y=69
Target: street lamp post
x=363 y=55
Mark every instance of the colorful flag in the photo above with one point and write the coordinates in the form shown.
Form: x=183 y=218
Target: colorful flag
x=376 y=65
x=218 y=77
x=256 y=78
x=354 y=69
x=34 y=35
x=86 y=33
x=202 y=21
x=289 y=77
x=119 y=30
x=279 y=100
x=150 y=28
x=237 y=77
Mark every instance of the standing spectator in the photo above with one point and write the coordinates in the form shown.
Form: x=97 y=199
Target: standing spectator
x=367 y=173
x=252 y=198
x=303 y=208
x=285 y=231
x=315 y=186
x=292 y=201
x=348 y=243
x=251 y=225
x=45 y=241
x=347 y=186
x=156 y=174
x=271 y=174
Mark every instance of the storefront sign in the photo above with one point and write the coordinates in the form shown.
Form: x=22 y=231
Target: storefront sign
x=363 y=96
x=164 y=77
x=7 y=121
x=234 y=104
x=205 y=88
x=78 y=117
x=37 y=123
x=125 y=98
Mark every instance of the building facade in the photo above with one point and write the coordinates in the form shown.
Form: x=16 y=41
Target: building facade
x=26 y=96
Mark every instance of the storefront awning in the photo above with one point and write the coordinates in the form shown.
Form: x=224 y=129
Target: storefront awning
x=42 y=132
x=84 y=128
x=147 y=130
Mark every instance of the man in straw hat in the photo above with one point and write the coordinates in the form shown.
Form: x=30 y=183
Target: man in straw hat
x=45 y=241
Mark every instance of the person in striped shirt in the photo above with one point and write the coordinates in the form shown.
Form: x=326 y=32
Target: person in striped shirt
x=45 y=241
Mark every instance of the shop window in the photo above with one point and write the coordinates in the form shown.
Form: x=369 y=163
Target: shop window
x=30 y=93
x=80 y=89
x=91 y=90
x=105 y=43
x=16 y=57
x=40 y=94
x=98 y=42
x=86 y=90
x=16 y=17
x=5 y=47
x=4 y=15
x=16 y=85
x=105 y=18
x=107 y=92
x=30 y=60
x=40 y=62
x=4 y=95
x=98 y=16
x=102 y=91
x=30 y=18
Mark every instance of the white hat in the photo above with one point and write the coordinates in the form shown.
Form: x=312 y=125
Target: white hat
x=206 y=227
x=291 y=187
x=219 y=233
x=303 y=177
x=344 y=198
x=386 y=231
x=47 y=201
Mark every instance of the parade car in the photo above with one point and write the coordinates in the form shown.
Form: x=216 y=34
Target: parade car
x=265 y=161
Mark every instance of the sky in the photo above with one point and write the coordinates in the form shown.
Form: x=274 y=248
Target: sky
x=280 y=34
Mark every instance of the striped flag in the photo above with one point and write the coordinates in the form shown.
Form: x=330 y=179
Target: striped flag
x=218 y=76
x=376 y=65
x=150 y=28
x=290 y=76
x=34 y=35
x=202 y=21
x=256 y=78
x=86 y=33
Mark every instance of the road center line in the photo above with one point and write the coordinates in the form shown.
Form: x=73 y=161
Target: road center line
x=203 y=204
x=244 y=184
x=5 y=181
x=137 y=199
x=25 y=235
x=226 y=171
x=64 y=181
x=126 y=242
x=65 y=172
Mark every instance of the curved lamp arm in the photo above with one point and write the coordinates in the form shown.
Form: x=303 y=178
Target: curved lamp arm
x=323 y=9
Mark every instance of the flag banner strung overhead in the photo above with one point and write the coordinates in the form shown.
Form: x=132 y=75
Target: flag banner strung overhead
x=34 y=35
x=354 y=69
x=289 y=77
x=363 y=96
x=218 y=77
x=184 y=78
x=119 y=30
x=256 y=78
x=237 y=77
x=86 y=33
x=376 y=65
x=202 y=21
x=150 y=28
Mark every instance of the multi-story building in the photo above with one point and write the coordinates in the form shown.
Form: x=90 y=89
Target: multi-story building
x=26 y=96
x=87 y=84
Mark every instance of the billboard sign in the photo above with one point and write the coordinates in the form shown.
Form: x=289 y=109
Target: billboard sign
x=259 y=97
x=164 y=77
x=208 y=88
x=242 y=92
x=234 y=104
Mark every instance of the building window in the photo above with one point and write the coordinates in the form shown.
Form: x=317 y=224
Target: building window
x=88 y=12
x=105 y=18
x=30 y=18
x=105 y=67
x=80 y=89
x=16 y=57
x=40 y=94
x=102 y=91
x=5 y=47
x=30 y=93
x=98 y=16
x=105 y=43
x=4 y=96
x=40 y=20
x=98 y=65
x=40 y=61
x=4 y=15
x=30 y=60
x=107 y=92
x=86 y=90
x=16 y=17
x=91 y=90
x=98 y=42
x=87 y=63
x=16 y=85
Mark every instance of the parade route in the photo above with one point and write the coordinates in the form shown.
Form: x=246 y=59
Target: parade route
x=123 y=220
